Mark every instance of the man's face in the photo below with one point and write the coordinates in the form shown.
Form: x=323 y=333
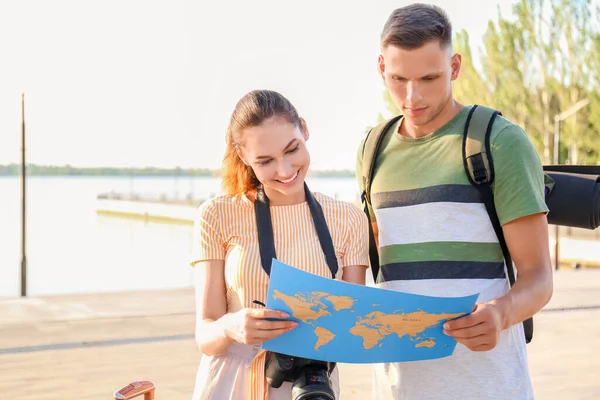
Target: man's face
x=419 y=80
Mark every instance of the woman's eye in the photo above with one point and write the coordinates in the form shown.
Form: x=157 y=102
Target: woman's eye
x=291 y=151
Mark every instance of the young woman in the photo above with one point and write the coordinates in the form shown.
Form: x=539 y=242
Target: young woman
x=266 y=154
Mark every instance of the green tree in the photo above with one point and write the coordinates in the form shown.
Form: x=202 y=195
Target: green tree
x=470 y=87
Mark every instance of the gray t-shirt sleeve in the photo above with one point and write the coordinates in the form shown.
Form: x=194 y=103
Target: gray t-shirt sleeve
x=519 y=178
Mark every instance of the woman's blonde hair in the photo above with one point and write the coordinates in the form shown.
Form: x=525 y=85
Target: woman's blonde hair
x=251 y=110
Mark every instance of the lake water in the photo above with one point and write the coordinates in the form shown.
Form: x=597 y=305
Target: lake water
x=71 y=249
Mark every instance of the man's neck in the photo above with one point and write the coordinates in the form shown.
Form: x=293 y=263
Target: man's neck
x=418 y=131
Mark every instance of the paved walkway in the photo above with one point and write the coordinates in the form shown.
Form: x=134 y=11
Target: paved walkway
x=88 y=346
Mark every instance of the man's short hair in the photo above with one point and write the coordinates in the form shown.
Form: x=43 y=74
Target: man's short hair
x=413 y=26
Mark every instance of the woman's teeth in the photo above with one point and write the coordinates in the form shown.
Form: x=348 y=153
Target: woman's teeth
x=291 y=179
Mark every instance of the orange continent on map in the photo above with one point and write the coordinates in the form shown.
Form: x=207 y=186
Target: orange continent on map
x=305 y=306
x=426 y=343
x=324 y=336
x=377 y=325
x=340 y=302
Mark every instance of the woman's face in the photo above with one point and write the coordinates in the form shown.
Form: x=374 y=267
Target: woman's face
x=276 y=151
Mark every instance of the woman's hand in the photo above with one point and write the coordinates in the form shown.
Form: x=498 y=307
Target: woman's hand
x=250 y=325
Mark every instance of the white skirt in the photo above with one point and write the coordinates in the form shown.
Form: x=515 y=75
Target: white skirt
x=229 y=376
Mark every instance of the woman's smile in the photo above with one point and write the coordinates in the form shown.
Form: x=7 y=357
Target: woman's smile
x=290 y=180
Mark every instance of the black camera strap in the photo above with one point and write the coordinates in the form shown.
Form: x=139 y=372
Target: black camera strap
x=266 y=240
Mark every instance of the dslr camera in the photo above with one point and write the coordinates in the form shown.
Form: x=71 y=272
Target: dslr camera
x=310 y=378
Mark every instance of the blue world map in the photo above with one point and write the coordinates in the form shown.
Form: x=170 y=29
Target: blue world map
x=344 y=322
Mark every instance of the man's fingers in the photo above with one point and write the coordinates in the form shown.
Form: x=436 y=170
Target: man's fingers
x=478 y=342
x=483 y=347
x=464 y=322
x=470 y=332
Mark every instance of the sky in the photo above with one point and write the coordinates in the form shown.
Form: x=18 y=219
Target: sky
x=135 y=83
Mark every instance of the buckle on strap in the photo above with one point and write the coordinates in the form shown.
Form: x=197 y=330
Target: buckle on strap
x=479 y=172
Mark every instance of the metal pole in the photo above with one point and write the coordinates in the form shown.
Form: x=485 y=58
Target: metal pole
x=556 y=139
x=556 y=162
x=557 y=118
x=23 y=203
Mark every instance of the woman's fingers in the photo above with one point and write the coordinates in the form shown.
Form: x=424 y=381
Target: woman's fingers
x=262 y=335
x=264 y=313
x=271 y=325
x=265 y=319
x=259 y=325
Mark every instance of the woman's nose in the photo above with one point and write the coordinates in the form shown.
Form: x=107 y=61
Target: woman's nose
x=285 y=170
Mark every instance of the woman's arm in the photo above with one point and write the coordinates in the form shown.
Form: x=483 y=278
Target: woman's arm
x=356 y=254
x=216 y=330
x=355 y=274
x=211 y=307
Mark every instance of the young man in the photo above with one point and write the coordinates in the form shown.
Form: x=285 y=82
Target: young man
x=433 y=232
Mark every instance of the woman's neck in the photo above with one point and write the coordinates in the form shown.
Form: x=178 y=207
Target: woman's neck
x=279 y=199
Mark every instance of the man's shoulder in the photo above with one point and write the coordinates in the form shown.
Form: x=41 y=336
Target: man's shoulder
x=505 y=129
x=507 y=135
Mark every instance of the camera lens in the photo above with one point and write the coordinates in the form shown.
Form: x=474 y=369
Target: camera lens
x=312 y=383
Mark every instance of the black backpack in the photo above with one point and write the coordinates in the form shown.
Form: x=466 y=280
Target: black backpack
x=478 y=166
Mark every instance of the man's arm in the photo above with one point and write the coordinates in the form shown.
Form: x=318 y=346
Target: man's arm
x=519 y=200
x=527 y=241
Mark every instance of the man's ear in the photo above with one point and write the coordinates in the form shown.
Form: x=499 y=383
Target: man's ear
x=381 y=67
x=304 y=128
x=456 y=63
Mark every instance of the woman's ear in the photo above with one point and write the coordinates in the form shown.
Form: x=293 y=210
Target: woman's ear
x=304 y=128
x=240 y=154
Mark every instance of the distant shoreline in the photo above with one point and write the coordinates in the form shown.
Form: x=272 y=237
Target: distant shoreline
x=67 y=170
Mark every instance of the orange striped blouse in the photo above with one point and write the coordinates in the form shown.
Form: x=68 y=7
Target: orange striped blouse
x=225 y=229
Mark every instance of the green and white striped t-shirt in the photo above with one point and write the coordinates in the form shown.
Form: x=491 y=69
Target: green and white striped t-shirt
x=436 y=238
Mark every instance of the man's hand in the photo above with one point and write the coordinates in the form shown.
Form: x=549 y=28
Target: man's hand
x=478 y=331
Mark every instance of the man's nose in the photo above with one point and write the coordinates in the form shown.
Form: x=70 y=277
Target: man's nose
x=413 y=93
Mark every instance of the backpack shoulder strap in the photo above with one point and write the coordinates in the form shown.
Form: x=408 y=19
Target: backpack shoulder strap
x=370 y=151
x=479 y=167
x=477 y=156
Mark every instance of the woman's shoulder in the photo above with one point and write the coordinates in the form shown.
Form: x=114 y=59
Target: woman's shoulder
x=222 y=202
x=346 y=208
